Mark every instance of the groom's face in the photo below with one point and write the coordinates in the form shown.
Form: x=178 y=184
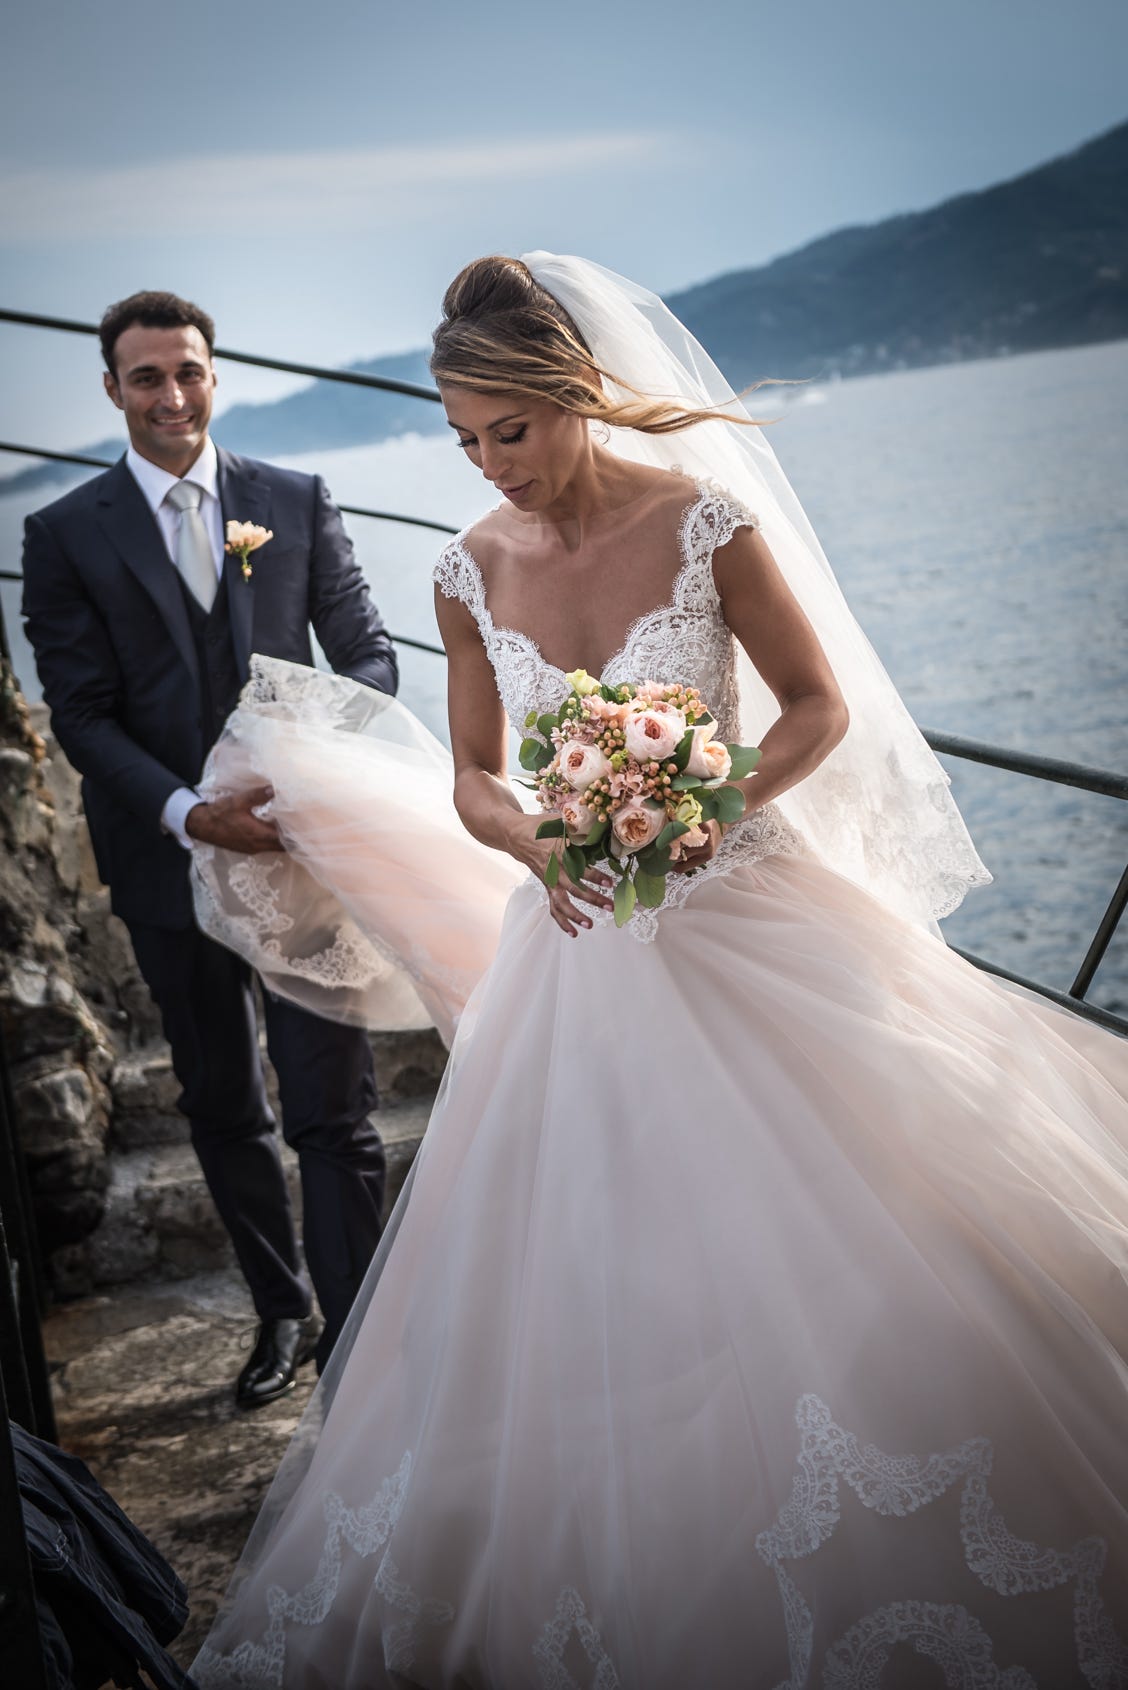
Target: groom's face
x=164 y=381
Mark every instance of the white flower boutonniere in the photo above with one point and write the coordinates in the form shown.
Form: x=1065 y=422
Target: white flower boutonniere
x=243 y=538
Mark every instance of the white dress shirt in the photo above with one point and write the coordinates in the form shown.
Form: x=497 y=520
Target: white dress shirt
x=154 y=483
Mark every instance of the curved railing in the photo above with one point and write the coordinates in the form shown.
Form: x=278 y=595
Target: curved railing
x=24 y=1388
x=1088 y=779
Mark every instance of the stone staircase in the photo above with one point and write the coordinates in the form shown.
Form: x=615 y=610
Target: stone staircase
x=159 y=1222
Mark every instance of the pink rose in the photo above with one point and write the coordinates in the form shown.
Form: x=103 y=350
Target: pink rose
x=708 y=757
x=603 y=711
x=638 y=823
x=652 y=735
x=580 y=764
x=576 y=816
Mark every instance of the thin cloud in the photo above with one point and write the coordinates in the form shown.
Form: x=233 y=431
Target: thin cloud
x=328 y=192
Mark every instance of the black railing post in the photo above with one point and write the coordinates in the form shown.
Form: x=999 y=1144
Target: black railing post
x=1108 y=925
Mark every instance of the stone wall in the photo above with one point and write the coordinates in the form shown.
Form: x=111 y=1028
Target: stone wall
x=59 y=1048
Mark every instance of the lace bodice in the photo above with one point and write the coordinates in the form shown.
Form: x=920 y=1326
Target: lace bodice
x=685 y=639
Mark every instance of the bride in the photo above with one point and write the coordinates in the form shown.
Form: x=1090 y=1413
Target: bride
x=756 y=1311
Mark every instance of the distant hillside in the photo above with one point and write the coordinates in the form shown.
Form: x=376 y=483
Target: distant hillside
x=1036 y=262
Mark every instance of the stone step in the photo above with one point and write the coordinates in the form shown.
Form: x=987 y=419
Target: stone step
x=160 y=1222
x=145 y=1089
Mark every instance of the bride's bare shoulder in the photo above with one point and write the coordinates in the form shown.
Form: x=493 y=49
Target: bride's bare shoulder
x=486 y=536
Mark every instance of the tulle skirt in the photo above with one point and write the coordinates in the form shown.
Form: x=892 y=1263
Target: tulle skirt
x=756 y=1316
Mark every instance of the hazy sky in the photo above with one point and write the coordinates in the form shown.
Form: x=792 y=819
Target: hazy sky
x=314 y=174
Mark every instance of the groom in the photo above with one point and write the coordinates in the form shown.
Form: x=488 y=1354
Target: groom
x=143 y=629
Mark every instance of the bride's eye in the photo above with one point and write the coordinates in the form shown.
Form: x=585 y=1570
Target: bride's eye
x=464 y=445
x=512 y=439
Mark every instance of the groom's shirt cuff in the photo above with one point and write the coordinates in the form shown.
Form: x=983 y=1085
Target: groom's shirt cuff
x=175 y=814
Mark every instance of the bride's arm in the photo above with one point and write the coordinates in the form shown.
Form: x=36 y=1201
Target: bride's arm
x=483 y=797
x=766 y=618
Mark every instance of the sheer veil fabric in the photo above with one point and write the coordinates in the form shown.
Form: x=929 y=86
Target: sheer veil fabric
x=755 y=1315
x=878 y=809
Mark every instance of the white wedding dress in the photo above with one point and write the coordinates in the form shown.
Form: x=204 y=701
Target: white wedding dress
x=756 y=1315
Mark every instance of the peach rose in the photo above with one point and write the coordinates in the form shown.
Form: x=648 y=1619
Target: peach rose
x=580 y=764
x=637 y=824
x=687 y=842
x=248 y=536
x=602 y=710
x=577 y=818
x=653 y=734
x=708 y=757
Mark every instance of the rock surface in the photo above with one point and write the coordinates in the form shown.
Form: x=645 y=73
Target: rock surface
x=144 y=1392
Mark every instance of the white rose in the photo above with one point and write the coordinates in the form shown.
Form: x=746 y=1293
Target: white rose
x=637 y=824
x=577 y=818
x=708 y=757
x=580 y=764
x=653 y=735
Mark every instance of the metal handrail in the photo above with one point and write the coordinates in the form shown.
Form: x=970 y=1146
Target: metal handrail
x=87 y=460
x=352 y=378
x=1105 y=782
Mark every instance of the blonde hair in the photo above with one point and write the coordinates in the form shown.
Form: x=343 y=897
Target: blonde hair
x=502 y=332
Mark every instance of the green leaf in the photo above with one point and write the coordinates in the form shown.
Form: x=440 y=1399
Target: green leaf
x=575 y=863
x=653 y=861
x=671 y=831
x=685 y=783
x=730 y=802
x=708 y=802
x=683 y=748
x=545 y=725
x=625 y=896
x=611 y=694
x=650 y=888
x=552 y=871
x=531 y=719
x=698 y=721
x=744 y=760
x=529 y=754
x=597 y=835
x=553 y=828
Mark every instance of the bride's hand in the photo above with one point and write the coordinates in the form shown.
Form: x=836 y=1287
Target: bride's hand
x=564 y=896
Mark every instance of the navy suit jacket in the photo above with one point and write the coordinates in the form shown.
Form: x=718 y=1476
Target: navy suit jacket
x=106 y=617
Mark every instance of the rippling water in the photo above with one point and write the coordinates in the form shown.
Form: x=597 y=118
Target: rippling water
x=978 y=520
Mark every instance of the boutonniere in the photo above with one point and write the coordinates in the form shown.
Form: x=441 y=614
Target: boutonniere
x=243 y=538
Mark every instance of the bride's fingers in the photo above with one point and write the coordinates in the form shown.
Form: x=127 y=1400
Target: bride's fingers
x=564 y=913
x=592 y=894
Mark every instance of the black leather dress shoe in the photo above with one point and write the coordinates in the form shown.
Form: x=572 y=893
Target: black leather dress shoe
x=280 y=1350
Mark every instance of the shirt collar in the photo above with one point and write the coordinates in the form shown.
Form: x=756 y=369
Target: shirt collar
x=155 y=482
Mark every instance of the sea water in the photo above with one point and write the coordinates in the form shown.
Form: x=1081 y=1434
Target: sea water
x=977 y=517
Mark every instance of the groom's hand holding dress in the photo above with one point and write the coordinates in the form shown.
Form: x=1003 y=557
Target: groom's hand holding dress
x=143 y=629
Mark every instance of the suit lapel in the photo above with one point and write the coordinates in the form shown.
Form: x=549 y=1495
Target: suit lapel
x=125 y=518
x=244 y=496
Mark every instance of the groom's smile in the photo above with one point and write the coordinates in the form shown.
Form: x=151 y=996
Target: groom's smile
x=164 y=382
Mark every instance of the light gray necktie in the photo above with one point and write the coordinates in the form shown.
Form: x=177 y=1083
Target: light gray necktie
x=194 y=556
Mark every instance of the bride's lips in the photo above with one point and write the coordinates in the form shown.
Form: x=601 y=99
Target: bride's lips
x=515 y=493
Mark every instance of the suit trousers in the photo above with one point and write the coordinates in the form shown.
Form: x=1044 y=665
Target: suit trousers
x=327 y=1089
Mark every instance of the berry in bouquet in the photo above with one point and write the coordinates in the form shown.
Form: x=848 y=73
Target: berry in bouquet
x=628 y=775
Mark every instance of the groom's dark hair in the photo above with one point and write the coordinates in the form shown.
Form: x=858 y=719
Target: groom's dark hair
x=153 y=310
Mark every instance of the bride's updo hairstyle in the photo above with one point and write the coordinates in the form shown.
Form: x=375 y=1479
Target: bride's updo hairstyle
x=502 y=332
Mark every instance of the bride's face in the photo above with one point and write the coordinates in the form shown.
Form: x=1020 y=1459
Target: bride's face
x=529 y=449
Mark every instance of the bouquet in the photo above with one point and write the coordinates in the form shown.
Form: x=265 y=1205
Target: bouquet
x=628 y=774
